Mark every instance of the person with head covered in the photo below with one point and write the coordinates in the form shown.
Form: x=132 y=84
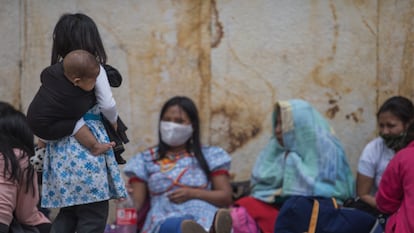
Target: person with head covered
x=303 y=157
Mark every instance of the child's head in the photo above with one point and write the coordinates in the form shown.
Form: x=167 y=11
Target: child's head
x=81 y=68
x=76 y=31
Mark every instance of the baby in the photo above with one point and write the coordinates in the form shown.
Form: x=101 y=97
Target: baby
x=69 y=89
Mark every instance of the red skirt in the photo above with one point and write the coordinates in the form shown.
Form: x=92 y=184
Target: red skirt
x=263 y=213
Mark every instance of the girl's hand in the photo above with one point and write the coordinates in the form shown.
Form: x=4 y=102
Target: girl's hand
x=115 y=125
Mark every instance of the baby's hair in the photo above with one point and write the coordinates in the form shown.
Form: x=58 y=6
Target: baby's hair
x=80 y=64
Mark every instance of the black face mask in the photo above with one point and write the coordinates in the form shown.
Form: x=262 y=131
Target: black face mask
x=395 y=142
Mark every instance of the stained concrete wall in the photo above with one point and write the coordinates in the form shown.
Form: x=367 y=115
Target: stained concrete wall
x=235 y=58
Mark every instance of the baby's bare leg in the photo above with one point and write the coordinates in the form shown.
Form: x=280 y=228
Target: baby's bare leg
x=87 y=139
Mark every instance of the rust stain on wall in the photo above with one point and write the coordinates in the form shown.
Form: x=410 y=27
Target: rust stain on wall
x=359 y=3
x=356 y=115
x=330 y=80
x=193 y=36
x=331 y=112
x=336 y=28
x=407 y=66
x=216 y=26
x=333 y=100
x=174 y=61
x=204 y=64
x=233 y=126
x=362 y=5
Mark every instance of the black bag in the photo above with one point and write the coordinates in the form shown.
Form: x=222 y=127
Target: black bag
x=361 y=205
x=16 y=227
x=118 y=136
x=321 y=215
x=240 y=189
x=114 y=77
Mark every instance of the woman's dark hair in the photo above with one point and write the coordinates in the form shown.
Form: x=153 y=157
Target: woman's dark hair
x=193 y=144
x=76 y=31
x=400 y=107
x=410 y=133
x=15 y=133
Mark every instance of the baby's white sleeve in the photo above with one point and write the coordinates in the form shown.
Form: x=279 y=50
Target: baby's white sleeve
x=103 y=93
x=78 y=125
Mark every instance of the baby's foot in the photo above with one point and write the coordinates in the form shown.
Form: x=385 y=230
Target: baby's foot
x=100 y=148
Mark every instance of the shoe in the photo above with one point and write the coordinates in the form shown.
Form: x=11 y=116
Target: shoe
x=190 y=226
x=222 y=221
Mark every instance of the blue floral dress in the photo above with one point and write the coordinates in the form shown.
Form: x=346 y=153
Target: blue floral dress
x=73 y=176
x=169 y=174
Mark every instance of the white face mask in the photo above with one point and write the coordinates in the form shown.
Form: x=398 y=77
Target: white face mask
x=175 y=134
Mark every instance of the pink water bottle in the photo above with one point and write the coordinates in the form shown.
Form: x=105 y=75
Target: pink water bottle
x=126 y=217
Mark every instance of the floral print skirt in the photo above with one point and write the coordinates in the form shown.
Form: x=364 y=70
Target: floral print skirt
x=73 y=176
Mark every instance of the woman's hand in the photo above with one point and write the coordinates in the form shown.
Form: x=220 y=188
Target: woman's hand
x=181 y=195
x=220 y=195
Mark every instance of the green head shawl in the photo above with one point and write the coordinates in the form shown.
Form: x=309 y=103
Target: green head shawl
x=312 y=161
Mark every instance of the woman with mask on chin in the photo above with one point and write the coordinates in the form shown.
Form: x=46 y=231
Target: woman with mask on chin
x=185 y=182
x=394 y=117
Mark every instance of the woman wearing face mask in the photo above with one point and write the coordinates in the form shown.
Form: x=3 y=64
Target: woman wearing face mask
x=394 y=196
x=186 y=183
x=393 y=118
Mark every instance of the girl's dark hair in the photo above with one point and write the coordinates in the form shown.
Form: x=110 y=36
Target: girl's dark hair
x=400 y=107
x=15 y=133
x=193 y=144
x=76 y=31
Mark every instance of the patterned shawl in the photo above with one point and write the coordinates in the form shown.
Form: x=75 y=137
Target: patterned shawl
x=312 y=161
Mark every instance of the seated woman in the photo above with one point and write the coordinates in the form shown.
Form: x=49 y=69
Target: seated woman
x=393 y=118
x=303 y=157
x=19 y=193
x=186 y=183
x=396 y=188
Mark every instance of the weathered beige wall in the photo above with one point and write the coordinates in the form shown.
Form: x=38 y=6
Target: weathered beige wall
x=395 y=49
x=321 y=51
x=235 y=58
x=10 y=53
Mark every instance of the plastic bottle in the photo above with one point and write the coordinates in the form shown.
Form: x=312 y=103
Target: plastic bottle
x=110 y=228
x=126 y=217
